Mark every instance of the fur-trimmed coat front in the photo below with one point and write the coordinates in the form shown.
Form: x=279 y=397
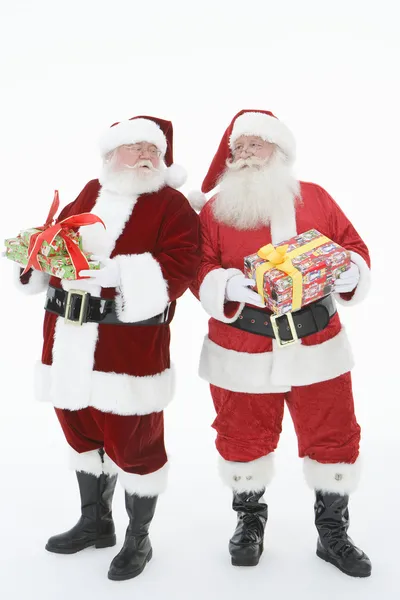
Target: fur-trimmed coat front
x=122 y=369
x=245 y=362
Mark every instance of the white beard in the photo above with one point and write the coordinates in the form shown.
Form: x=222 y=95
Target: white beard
x=131 y=182
x=256 y=195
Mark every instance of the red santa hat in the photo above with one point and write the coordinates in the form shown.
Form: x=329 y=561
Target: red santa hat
x=260 y=123
x=146 y=129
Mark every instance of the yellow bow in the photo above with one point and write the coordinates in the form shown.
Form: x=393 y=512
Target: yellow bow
x=277 y=258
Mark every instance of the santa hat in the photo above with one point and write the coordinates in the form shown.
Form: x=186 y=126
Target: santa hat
x=146 y=129
x=260 y=123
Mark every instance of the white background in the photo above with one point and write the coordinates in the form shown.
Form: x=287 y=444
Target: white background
x=330 y=70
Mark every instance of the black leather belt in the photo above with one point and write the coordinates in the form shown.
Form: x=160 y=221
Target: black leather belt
x=78 y=307
x=290 y=327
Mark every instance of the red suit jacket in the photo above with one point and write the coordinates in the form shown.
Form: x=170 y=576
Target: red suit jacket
x=244 y=362
x=116 y=368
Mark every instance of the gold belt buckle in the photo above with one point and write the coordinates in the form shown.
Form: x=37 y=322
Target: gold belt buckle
x=295 y=337
x=84 y=301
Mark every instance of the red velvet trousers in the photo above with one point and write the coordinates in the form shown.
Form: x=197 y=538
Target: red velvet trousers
x=249 y=425
x=134 y=442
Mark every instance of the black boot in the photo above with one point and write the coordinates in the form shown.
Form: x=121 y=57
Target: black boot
x=96 y=525
x=334 y=545
x=136 y=551
x=247 y=543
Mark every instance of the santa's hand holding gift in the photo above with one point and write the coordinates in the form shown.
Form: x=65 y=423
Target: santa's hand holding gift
x=105 y=362
x=257 y=359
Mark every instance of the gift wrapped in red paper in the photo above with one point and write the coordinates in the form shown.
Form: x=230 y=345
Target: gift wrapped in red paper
x=296 y=272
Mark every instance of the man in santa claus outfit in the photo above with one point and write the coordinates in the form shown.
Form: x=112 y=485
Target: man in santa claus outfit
x=106 y=362
x=306 y=362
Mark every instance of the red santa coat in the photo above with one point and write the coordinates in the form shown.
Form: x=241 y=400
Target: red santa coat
x=117 y=368
x=244 y=362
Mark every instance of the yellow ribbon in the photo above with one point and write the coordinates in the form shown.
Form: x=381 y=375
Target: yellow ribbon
x=279 y=258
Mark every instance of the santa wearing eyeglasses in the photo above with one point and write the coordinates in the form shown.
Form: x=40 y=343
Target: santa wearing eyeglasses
x=251 y=377
x=105 y=363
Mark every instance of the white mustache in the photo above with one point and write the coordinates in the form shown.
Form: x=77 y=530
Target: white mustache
x=252 y=161
x=142 y=163
x=145 y=163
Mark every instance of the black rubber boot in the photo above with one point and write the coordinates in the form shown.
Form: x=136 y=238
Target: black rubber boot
x=136 y=551
x=247 y=543
x=96 y=525
x=334 y=545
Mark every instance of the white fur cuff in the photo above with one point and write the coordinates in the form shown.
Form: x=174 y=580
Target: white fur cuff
x=338 y=478
x=150 y=485
x=90 y=462
x=143 y=292
x=38 y=281
x=212 y=294
x=248 y=477
x=363 y=285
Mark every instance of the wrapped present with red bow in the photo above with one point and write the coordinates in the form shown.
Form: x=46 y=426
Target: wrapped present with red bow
x=55 y=247
x=296 y=272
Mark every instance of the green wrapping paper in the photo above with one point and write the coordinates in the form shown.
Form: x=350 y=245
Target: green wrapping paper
x=58 y=266
x=57 y=246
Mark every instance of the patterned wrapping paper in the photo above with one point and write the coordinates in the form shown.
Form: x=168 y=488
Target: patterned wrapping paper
x=59 y=266
x=57 y=246
x=319 y=268
x=54 y=247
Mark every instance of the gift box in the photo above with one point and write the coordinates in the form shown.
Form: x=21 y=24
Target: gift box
x=55 y=247
x=58 y=266
x=296 y=272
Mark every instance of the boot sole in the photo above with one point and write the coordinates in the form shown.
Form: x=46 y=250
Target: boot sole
x=245 y=563
x=249 y=562
x=331 y=561
x=98 y=544
x=124 y=577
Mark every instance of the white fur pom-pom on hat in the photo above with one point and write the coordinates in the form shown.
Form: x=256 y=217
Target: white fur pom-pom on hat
x=175 y=176
x=197 y=199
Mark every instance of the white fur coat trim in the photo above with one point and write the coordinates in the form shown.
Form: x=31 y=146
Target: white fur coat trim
x=276 y=371
x=212 y=294
x=284 y=227
x=90 y=462
x=268 y=128
x=143 y=292
x=364 y=283
x=339 y=478
x=131 y=132
x=37 y=283
x=148 y=485
x=247 y=477
x=74 y=347
x=237 y=371
x=109 y=392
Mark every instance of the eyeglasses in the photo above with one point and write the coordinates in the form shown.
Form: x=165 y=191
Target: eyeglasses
x=251 y=149
x=137 y=149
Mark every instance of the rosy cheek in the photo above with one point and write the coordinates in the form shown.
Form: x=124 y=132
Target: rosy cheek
x=126 y=158
x=266 y=152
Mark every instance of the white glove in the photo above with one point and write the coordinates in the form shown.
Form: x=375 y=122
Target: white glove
x=348 y=280
x=109 y=276
x=237 y=290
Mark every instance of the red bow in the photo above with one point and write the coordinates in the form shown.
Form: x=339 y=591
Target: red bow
x=50 y=230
